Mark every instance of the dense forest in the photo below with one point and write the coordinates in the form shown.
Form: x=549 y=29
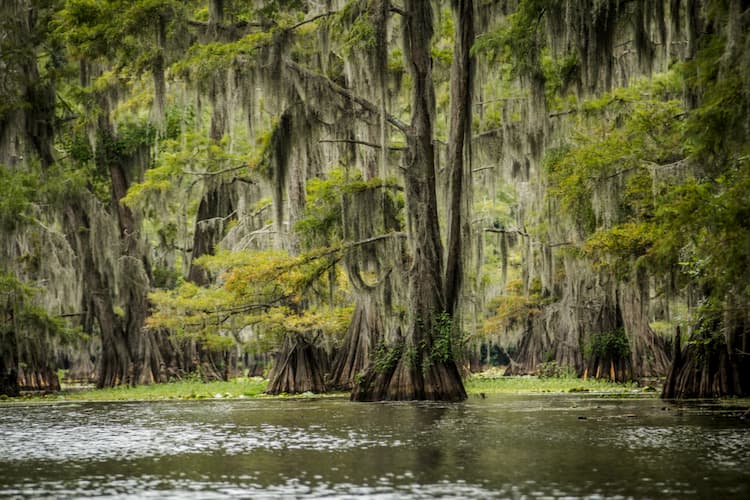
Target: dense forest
x=372 y=195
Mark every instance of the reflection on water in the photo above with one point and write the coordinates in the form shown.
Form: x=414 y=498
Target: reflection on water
x=501 y=447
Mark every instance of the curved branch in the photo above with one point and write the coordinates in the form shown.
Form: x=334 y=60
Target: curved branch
x=362 y=143
x=212 y=174
x=346 y=94
x=311 y=20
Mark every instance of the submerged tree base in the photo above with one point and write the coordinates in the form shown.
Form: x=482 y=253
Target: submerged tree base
x=701 y=372
x=299 y=367
x=407 y=380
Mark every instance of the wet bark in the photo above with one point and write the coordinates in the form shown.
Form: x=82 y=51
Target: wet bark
x=26 y=353
x=374 y=319
x=41 y=378
x=649 y=356
x=137 y=272
x=129 y=353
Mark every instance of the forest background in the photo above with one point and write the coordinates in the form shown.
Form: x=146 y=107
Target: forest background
x=375 y=196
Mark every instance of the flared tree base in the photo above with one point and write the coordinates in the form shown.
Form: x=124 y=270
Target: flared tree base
x=406 y=381
x=697 y=374
x=299 y=367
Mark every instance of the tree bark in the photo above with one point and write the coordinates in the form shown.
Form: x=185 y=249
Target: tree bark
x=364 y=333
x=115 y=359
x=299 y=367
x=709 y=370
x=215 y=206
x=415 y=372
x=459 y=151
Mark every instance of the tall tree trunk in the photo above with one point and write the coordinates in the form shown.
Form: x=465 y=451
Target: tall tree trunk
x=215 y=14
x=459 y=151
x=115 y=360
x=136 y=271
x=410 y=369
x=27 y=117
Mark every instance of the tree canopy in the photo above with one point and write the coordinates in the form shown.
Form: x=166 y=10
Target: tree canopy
x=370 y=194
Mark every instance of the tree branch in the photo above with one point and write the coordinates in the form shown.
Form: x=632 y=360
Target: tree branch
x=238 y=25
x=486 y=133
x=483 y=168
x=311 y=20
x=500 y=99
x=506 y=231
x=398 y=10
x=563 y=113
x=394 y=234
x=526 y=235
x=363 y=143
x=212 y=174
x=346 y=94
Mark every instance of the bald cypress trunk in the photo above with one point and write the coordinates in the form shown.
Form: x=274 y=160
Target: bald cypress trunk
x=459 y=151
x=409 y=368
x=299 y=366
x=115 y=359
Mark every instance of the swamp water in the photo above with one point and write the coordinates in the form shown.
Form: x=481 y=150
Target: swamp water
x=499 y=447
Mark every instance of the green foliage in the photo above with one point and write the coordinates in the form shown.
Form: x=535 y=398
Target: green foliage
x=361 y=35
x=559 y=75
x=494 y=382
x=520 y=40
x=181 y=160
x=322 y=221
x=446 y=340
x=165 y=278
x=385 y=357
x=609 y=345
x=31 y=323
x=17 y=193
x=13 y=290
x=681 y=179
x=270 y=291
x=133 y=33
x=514 y=309
x=624 y=141
x=207 y=62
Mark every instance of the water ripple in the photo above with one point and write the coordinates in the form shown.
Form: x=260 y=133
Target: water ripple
x=86 y=436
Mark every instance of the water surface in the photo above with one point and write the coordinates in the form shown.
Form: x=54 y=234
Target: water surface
x=499 y=447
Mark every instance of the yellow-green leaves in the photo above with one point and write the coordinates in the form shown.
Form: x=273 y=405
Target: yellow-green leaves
x=261 y=290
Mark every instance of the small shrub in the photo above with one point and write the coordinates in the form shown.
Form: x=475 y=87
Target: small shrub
x=612 y=345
